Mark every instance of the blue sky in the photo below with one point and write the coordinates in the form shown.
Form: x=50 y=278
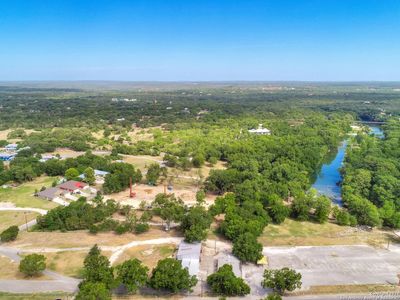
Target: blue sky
x=195 y=40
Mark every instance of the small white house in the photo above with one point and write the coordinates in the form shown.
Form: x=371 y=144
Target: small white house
x=189 y=255
x=11 y=147
x=260 y=130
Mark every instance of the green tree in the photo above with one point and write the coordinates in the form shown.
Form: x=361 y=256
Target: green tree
x=301 y=208
x=93 y=291
x=132 y=274
x=273 y=296
x=322 y=206
x=198 y=160
x=170 y=275
x=10 y=234
x=224 y=282
x=282 y=280
x=168 y=208
x=246 y=248
x=72 y=174
x=195 y=224
x=277 y=210
x=97 y=269
x=200 y=197
x=32 y=264
x=89 y=176
x=153 y=173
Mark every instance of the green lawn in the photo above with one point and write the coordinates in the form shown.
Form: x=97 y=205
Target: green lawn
x=22 y=195
x=38 y=296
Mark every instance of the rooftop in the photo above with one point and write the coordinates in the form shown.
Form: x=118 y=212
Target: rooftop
x=187 y=250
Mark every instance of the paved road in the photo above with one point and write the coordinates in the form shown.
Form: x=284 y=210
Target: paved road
x=58 y=283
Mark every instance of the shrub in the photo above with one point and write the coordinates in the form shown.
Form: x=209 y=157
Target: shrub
x=10 y=234
x=32 y=264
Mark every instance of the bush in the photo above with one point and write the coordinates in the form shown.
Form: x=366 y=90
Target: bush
x=32 y=264
x=10 y=234
x=141 y=227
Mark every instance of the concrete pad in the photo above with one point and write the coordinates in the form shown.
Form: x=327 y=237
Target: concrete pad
x=337 y=265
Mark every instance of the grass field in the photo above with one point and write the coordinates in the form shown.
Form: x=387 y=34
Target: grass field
x=10 y=218
x=351 y=289
x=31 y=240
x=68 y=263
x=22 y=195
x=295 y=233
x=149 y=255
x=38 y=296
x=9 y=270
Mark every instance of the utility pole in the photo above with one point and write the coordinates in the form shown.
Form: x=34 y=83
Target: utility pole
x=26 y=221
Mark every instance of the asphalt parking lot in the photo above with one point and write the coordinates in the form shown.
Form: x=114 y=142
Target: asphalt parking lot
x=337 y=265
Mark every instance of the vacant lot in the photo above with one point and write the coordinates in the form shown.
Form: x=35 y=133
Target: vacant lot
x=68 y=263
x=149 y=255
x=23 y=195
x=38 y=240
x=10 y=218
x=9 y=270
x=184 y=189
x=295 y=233
x=337 y=265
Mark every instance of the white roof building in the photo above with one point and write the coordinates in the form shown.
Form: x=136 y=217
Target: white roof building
x=260 y=130
x=189 y=255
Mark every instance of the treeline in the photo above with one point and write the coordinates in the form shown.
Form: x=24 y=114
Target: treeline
x=79 y=108
x=371 y=178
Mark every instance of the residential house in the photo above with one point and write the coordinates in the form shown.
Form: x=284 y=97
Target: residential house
x=260 y=130
x=11 y=147
x=98 y=174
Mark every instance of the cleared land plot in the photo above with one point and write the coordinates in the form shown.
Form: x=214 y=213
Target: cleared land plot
x=149 y=255
x=11 y=218
x=295 y=233
x=337 y=265
x=23 y=195
x=184 y=190
x=141 y=161
x=39 y=240
x=68 y=263
x=9 y=270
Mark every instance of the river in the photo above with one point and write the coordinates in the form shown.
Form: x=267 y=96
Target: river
x=327 y=182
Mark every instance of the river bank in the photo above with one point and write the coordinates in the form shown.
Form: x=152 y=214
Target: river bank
x=329 y=177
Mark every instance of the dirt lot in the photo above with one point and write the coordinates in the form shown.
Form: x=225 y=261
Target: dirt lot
x=4 y=133
x=149 y=255
x=147 y=193
x=83 y=238
x=11 y=218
